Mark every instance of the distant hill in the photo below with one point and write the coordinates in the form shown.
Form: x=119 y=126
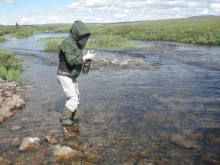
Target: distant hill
x=201 y=16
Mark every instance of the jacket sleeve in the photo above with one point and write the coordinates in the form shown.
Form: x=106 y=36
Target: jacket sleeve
x=72 y=53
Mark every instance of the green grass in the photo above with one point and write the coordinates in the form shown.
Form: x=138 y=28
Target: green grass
x=2 y=39
x=52 y=43
x=110 y=41
x=10 y=66
x=28 y=30
x=190 y=30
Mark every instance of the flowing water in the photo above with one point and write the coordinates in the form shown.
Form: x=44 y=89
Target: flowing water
x=165 y=112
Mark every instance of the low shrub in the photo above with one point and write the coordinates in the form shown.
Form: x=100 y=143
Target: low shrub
x=10 y=66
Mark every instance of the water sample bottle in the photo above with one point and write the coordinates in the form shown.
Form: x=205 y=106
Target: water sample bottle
x=86 y=66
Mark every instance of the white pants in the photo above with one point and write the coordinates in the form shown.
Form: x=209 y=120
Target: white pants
x=71 y=90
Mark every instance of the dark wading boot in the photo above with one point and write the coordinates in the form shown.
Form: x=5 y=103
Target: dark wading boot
x=66 y=118
x=75 y=117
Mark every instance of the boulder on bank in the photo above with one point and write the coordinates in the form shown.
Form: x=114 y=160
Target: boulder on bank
x=8 y=100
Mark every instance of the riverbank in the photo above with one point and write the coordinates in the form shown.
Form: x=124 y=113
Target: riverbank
x=187 y=30
x=10 y=101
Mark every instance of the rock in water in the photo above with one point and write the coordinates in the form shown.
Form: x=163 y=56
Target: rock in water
x=29 y=142
x=51 y=139
x=64 y=153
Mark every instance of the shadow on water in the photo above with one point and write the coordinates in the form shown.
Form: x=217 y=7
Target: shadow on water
x=164 y=113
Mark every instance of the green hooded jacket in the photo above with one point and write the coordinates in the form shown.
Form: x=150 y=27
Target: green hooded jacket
x=73 y=45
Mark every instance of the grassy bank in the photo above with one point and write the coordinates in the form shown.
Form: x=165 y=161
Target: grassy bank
x=52 y=43
x=2 y=39
x=28 y=30
x=189 y=30
x=10 y=66
x=111 y=41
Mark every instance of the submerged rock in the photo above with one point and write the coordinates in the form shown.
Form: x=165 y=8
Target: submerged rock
x=15 y=128
x=29 y=142
x=65 y=153
x=131 y=63
x=184 y=141
x=4 y=161
x=51 y=139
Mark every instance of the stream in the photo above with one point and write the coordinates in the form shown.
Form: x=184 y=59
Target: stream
x=164 y=112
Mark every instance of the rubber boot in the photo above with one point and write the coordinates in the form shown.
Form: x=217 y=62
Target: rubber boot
x=75 y=114
x=66 y=118
x=75 y=117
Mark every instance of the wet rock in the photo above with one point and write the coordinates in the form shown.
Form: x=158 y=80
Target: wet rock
x=107 y=61
x=6 y=114
x=7 y=85
x=65 y=153
x=29 y=142
x=29 y=87
x=5 y=109
x=15 y=128
x=13 y=102
x=92 y=155
x=99 y=120
x=18 y=89
x=184 y=141
x=16 y=96
x=1 y=99
x=115 y=62
x=16 y=142
x=1 y=90
x=19 y=103
x=131 y=63
x=51 y=139
x=4 y=161
x=7 y=93
x=74 y=145
x=71 y=132
x=1 y=119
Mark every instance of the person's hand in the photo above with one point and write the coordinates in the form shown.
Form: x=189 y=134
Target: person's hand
x=89 y=55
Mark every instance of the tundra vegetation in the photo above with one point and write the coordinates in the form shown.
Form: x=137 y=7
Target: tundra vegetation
x=189 y=30
x=52 y=43
x=10 y=66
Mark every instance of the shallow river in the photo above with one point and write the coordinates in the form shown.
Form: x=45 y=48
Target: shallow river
x=165 y=112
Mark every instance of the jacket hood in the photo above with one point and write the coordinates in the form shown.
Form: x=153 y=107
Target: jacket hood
x=78 y=29
x=79 y=33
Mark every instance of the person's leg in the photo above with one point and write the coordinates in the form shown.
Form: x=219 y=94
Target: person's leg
x=70 y=88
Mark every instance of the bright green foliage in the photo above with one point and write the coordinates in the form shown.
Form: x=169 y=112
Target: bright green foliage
x=110 y=41
x=8 y=60
x=26 y=31
x=191 y=30
x=22 y=34
x=9 y=66
x=52 y=43
x=2 y=39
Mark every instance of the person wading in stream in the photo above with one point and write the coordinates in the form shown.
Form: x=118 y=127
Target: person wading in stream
x=70 y=66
